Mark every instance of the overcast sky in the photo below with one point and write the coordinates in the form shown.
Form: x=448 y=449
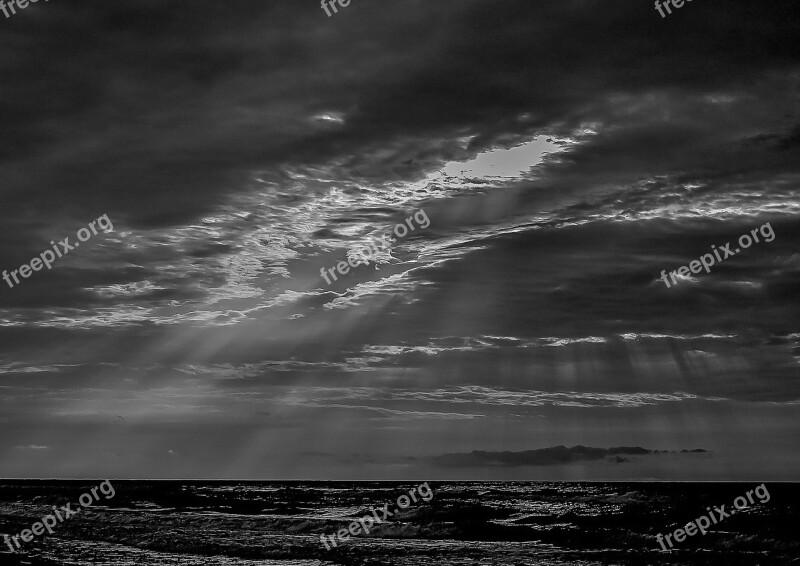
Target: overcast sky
x=564 y=152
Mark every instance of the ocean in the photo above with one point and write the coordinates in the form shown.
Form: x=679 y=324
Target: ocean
x=463 y=523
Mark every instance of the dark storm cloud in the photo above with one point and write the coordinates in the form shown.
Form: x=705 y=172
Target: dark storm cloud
x=162 y=109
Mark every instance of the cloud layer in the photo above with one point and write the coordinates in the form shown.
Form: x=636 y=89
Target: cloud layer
x=565 y=154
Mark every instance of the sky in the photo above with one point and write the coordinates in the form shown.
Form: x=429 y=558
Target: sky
x=552 y=157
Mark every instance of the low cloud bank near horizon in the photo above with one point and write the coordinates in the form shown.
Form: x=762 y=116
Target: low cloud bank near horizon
x=555 y=455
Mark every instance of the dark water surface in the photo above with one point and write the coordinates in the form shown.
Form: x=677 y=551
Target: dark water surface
x=514 y=523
